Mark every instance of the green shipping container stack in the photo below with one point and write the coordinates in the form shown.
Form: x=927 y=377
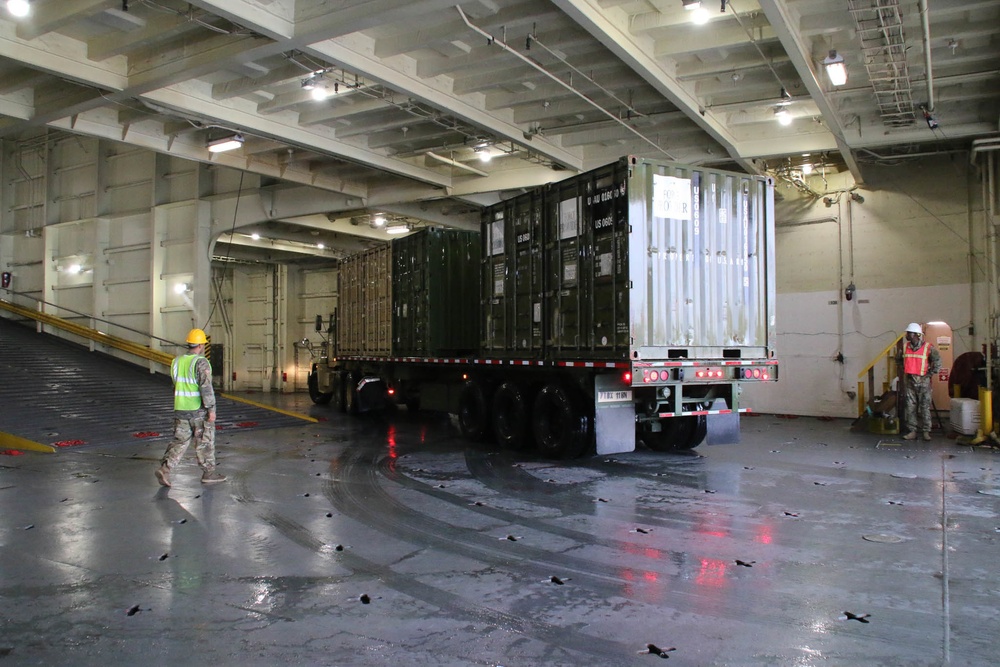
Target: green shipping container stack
x=435 y=288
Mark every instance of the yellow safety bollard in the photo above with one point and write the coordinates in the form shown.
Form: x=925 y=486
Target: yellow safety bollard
x=986 y=410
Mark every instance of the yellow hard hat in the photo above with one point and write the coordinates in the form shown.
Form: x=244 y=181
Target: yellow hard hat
x=196 y=337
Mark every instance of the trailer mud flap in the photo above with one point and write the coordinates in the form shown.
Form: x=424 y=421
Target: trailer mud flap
x=722 y=425
x=614 y=416
x=371 y=394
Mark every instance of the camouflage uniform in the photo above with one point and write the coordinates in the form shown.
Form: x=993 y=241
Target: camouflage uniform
x=918 y=393
x=190 y=424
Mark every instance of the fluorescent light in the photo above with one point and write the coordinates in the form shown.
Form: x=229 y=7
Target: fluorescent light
x=691 y=5
x=397 y=229
x=18 y=8
x=225 y=143
x=836 y=70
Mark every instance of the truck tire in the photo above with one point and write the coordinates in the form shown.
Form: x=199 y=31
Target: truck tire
x=511 y=419
x=474 y=412
x=318 y=397
x=351 y=393
x=559 y=422
x=679 y=433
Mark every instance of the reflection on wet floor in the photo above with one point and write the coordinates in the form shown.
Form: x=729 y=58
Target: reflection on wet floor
x=391 y=541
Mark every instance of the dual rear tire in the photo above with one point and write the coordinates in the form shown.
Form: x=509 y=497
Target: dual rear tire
x=555 y=420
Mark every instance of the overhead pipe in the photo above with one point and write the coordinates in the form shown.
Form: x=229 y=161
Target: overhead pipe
x=925 y=22
x=455 y=163
x=982 y=146
x=532 y=63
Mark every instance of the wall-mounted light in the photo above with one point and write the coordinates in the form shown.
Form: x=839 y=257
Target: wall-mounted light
x=182 y=288
x=222 y=144
x=836 y=70
x=18 y=8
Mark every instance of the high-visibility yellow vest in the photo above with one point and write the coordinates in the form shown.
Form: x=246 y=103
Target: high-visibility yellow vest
x=915 y=361
x=187 y=394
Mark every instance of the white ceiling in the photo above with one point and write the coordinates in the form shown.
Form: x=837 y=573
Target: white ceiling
x=548 y=88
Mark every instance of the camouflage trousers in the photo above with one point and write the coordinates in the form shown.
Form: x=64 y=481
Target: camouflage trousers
x=918 y=403
x=186 y=430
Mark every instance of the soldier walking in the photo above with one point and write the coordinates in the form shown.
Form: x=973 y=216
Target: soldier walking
x=921 y=361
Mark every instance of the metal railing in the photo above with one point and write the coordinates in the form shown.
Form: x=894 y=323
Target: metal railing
x=866 y=378
x=89 y=333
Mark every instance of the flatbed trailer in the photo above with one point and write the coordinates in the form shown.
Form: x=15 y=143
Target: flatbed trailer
x=627 y=304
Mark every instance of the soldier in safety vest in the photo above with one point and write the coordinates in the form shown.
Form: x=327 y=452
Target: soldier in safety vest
x=920 y=362
x=194 y=412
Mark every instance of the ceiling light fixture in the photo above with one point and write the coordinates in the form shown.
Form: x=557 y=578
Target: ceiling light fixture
x=378 y=221
x=836 y=70
x=19 y=8
x=807 y=169
x=255 y=236
x=691 y=5
x=700 y=16
x=782 y=115
x=397 y=229
x=222 y=144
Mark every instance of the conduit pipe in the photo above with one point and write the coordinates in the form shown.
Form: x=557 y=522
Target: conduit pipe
x=982 y=146
x=532 y=63
x=925 y=23
x=455 y=163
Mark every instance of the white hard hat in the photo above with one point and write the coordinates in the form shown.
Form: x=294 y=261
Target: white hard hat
x=913 y=327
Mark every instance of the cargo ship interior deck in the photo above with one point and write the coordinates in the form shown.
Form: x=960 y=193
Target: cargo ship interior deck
x=387 y=539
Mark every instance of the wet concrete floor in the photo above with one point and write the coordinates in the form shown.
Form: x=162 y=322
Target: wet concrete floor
x=393 y=542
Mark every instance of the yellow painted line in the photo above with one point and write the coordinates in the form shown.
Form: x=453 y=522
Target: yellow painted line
x=10 y=441
x=298 y=415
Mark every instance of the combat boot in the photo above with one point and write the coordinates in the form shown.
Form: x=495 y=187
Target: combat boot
x=912 y=435
x=163 y=476
x=212 y=477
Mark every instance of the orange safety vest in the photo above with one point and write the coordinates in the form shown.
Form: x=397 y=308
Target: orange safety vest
x=915 y=361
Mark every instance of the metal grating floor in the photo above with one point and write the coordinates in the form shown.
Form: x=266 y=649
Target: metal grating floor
x=60 y=394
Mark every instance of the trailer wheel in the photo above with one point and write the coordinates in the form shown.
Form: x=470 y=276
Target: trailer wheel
x=474 y=412
x=679 y=433
x=315 y=394
x=511 y=421
x=351 y=393
x=559 y=422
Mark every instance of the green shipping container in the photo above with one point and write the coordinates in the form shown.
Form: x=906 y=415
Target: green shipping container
x=435 y=287
x=512 y=277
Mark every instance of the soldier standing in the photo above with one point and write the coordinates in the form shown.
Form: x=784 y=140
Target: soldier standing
x=194 y=412
x=921 y=361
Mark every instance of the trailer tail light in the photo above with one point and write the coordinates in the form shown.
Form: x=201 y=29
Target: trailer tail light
x=390 y=391
x=627 y=377
x=755 y=374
